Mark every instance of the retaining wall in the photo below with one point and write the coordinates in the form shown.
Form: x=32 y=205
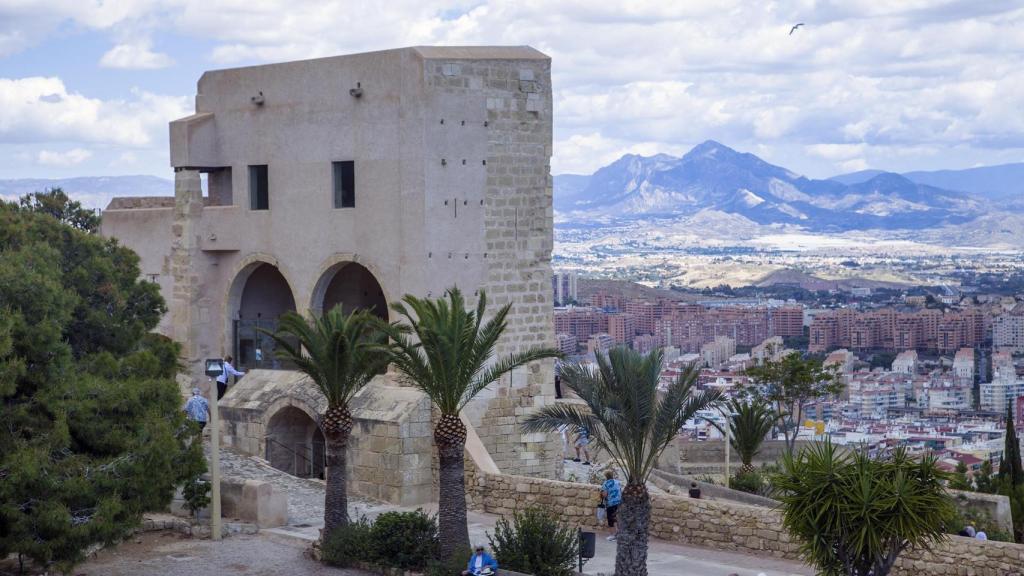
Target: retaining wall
x=726 y=525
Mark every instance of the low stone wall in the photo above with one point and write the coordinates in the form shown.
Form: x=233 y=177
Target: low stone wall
x=995 y=507
x=680 y=485
x=725 y=525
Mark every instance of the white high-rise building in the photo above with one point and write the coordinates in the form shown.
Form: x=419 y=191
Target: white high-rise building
x=563 y=284
x=1008 y=331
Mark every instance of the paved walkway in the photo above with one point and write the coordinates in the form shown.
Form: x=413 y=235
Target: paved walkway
x=170 y=554
x=305 y=517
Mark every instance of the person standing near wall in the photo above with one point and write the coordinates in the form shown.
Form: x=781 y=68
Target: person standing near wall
x=582 y=441
x=611 y=492
x=227 y=372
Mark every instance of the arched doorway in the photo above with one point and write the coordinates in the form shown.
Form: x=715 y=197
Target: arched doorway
x=353 y=286
x=260 y=296
x=295 y=444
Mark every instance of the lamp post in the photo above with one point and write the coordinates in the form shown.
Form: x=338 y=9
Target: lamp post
x=728 y=441
x=214 y=368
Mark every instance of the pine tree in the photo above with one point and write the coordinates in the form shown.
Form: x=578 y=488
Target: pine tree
x=93 y=432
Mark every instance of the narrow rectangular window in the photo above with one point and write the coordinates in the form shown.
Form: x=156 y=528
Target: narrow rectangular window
x=344 y=184
x=259 y=188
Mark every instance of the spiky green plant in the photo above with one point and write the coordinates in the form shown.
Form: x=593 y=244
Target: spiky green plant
x=341 y=354
x=629 y=419
x=853 y=515
x=448 y=352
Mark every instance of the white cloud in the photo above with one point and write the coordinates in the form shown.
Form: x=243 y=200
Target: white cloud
x=137 y=56
x=862 y=83
x=64 y=159
x=43 y=110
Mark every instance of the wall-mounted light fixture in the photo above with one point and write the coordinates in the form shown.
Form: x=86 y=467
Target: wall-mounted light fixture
x=356 y=92
x=257 y=99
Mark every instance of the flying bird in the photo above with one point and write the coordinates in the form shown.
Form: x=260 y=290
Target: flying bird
x=793 y=29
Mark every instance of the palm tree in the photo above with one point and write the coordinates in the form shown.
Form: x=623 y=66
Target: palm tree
x=341 y=354
x=749 y=424
x=446 y=351
x=631 y=421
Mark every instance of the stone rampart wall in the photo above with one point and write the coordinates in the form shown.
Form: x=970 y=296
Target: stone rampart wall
x=726 y=526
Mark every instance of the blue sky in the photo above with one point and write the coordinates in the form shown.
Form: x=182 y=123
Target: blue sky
x=87 y=86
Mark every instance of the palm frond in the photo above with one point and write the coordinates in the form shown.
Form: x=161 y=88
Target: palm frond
x=447 y=350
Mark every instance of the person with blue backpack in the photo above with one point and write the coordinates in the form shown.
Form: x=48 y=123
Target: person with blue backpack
x=611 y=492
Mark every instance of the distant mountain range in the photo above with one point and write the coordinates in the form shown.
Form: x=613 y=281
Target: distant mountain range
x=91 y=191
x=713 y=178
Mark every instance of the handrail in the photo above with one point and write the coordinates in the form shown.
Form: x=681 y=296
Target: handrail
x=295 y=454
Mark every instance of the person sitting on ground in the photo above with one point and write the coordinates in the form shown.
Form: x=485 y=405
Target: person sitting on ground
x=481 y=563
x=197 y=409
x=694 y=490
x=611 y=491
x=981 y=535
x=582 y=441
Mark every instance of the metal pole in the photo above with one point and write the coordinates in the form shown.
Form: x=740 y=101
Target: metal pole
x=214 y=463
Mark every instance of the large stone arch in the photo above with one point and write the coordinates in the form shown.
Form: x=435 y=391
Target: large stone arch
x=346 y=278
x=273 y=295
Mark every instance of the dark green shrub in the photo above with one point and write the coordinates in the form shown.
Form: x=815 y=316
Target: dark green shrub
x=350 y=544
x=750 y=482
x=406 y=540
x=535 y=543
x=196 y=493
x=451 y=566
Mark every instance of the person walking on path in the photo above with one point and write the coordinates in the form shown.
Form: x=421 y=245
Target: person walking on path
x=611 y=492
x=227 y=372
x=582 y=441
x=197 y=409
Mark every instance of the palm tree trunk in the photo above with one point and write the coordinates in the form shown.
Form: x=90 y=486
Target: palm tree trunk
x=336 y=494
x=451 y=502
x=634 y=519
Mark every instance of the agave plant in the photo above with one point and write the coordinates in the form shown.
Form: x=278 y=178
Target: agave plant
x=631 y=421
x=341 y=354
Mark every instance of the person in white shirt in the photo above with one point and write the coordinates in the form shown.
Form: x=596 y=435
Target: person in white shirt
x=227 y=371
x=981 y=535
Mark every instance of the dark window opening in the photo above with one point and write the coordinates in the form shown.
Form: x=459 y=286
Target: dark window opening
x=259 y=188
x=344 y=184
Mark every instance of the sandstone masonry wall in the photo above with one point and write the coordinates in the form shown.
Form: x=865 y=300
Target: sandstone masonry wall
x=727 y=526
x=518 y=240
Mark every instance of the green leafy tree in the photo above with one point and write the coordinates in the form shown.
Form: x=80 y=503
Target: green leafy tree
x=749 y=424
x=854 y=515
x=629 y=419
x=55 y=203
x=983 y=480
x=959 y=479
x=93 y=433
x=448 y=352
x=788 y=385
x=341 y=354
x=535 y=542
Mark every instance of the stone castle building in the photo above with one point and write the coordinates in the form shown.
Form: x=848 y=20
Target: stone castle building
x=356 y=180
